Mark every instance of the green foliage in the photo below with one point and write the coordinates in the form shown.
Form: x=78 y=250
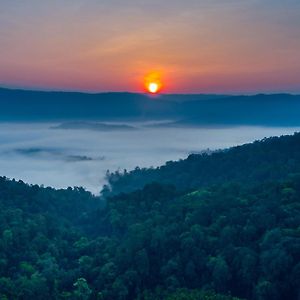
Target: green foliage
x=185 y=294
x=82 y=290
x=160 y=242
x=276 y=158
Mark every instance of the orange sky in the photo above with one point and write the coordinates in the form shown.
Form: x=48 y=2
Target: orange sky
x=197 y=46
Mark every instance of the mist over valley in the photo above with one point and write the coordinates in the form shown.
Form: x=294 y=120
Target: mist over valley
x=75 y=156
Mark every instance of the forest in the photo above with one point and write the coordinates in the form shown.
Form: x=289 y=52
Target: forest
x=216 y=226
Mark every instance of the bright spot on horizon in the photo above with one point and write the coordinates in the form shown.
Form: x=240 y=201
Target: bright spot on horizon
x=153 y=87
x=153 y=82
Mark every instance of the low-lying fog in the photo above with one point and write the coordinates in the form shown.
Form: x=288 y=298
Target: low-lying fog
x=69 y=156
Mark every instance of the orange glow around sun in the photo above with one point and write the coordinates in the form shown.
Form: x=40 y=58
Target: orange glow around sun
x=153 y=83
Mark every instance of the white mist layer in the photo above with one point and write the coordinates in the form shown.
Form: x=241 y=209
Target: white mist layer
x=37 y=154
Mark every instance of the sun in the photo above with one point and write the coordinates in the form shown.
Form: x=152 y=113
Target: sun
x=153 y=83
x=153 y=87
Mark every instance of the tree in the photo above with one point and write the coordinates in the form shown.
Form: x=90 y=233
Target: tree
x=82 y=290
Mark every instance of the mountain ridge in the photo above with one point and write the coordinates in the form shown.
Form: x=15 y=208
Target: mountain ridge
x=191 y=110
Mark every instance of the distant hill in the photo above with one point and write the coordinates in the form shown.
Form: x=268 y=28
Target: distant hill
x=36 y=105
x=96 y=126
x=185 y=110
x=261 y=109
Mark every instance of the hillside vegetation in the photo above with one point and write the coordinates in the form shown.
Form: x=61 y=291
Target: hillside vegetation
x=224 y=226
x=274 y=158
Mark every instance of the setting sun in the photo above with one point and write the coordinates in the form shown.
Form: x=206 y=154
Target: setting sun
x=153 y=87
x=153 y=83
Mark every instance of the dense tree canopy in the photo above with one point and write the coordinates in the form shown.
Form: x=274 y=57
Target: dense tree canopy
x=274 y=158
x=223 y=239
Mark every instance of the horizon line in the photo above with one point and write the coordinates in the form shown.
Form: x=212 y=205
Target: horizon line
x=33 y=89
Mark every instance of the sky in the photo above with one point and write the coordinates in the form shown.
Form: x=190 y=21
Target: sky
x=195 y=46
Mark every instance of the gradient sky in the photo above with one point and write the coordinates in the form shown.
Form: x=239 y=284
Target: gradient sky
x=198 y=46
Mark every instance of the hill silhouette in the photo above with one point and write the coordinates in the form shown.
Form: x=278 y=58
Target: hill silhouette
x=184 y=110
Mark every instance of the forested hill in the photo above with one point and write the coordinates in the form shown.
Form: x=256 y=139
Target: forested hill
x=214 y=240
x=275 y=158
x=184 y=110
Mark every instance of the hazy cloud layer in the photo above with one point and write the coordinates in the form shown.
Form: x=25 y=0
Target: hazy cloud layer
x=60 y=158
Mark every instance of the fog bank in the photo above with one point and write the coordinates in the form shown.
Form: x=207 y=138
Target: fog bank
x=36 y=153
